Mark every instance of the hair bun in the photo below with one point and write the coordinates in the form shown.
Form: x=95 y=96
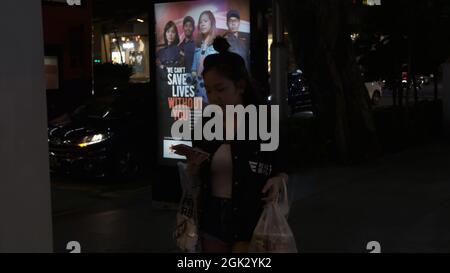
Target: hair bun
x=221 y=45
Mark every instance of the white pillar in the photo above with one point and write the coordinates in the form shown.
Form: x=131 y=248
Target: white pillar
x=446 y=96
x=25 y=206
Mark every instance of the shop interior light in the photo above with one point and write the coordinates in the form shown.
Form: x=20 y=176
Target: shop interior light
x=140 y=20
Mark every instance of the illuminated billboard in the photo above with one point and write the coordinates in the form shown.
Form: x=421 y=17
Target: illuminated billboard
x=184 y=32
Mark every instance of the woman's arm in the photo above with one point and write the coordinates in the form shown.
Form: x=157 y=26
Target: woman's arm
x=195 y=161
x=273 y=187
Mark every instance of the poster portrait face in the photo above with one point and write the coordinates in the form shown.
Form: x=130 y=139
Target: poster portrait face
x=233 y=24
x=188 y=29
x=171 y=34
x=206 y=22
x=178 y=11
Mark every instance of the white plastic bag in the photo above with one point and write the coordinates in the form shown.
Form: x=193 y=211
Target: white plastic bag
x=186 y=231
x=283 y=201
x=272 y=233
x=186 y=234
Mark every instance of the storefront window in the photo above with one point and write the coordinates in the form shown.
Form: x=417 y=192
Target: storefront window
x=131 y=50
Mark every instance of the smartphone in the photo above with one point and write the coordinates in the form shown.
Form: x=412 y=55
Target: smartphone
x=185 y=150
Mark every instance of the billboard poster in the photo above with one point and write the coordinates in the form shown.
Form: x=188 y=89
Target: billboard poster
x=184 y=33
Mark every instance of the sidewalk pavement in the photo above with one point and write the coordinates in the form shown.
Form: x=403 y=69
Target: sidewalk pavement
x=401 y=200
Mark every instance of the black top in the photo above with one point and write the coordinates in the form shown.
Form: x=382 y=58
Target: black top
x=188 y=47
x=239 y=45
x=170 y=56
x=252 y=168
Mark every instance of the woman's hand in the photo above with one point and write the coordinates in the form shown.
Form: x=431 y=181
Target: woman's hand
x=195 y=160
x=273 y=187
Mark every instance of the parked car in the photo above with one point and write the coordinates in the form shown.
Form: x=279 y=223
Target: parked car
x=106 y=136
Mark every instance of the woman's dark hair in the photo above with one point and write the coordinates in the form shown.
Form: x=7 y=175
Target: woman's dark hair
x=169 y=25
x=213 y=26
x=232 y=66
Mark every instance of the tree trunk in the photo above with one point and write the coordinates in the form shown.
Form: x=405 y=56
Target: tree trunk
x=323 y=48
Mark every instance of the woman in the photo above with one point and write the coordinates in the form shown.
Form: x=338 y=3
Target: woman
x=238 y=178
x=207 y=34
x=170 y=55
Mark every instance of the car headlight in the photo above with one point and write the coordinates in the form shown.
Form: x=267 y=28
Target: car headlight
x=93 y=139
